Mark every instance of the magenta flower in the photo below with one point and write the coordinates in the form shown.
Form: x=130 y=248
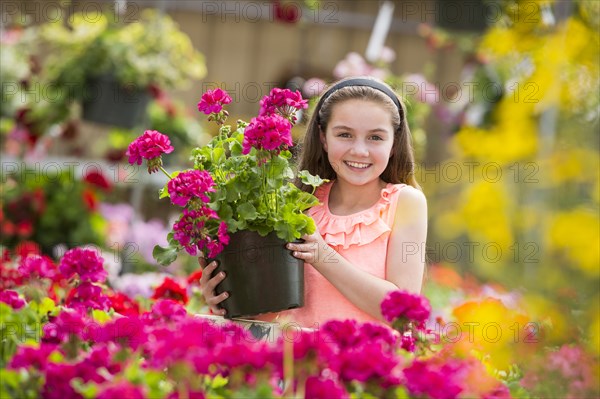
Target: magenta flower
x=165 y=310
x=150 y=146
x=87 y=296
x=68 y=322
x=213 y=100
x=189 y=229
x=319 y=388
x=406 y=307
x=268 y=132
x=367 y=363
x=127 y=332
x=27 y=356
x=214 y=247
x=408 y=342
x=189 y=185
x=121 y=389
x=282 y=101
x=86 y=263
x=436 y=381
x=36 y=266
x=222 y=233
x=11 y=298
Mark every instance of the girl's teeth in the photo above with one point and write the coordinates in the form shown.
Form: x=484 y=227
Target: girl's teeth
x=358 y=165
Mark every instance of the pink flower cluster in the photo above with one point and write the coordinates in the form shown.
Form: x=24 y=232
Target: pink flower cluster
x=213 y=100
x=405 y=307
x=87 y=296
x=267 y=132
x=36 y=266
x=284 y=102
x=190 y=185
x=190 y=232
x=88 y=267
x=149 y=146
x=85 y=263
x=12 y=299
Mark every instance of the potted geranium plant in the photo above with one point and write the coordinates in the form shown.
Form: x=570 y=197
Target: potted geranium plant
x=239 y=202
x=110 y=65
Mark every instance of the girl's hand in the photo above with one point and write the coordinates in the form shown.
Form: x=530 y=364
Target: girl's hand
x=313 y=250
x=207 y=286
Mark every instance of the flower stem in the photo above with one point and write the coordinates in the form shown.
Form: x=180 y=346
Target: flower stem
x=165 y=172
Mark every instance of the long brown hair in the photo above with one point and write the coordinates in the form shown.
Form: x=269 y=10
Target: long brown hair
x=313 y=158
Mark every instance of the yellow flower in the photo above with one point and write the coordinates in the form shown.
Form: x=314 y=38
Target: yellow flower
x=490 y=329
x=564 y=165
x=576 y=234
x=498 y=42
x=486 y=214
x=512 y=138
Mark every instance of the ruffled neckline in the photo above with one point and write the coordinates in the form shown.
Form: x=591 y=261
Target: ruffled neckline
x=359 y=228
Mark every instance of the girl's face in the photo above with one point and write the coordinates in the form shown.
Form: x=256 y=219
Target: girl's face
x=358 y=141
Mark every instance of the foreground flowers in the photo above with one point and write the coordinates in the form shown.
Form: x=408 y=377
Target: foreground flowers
x=97 y=343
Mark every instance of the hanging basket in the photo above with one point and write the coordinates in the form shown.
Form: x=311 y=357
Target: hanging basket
x=262 y=275
x=109 y=102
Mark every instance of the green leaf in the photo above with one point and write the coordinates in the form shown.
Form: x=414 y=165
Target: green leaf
x=45 y=306
x=217 y=155
x=247 y=211
x=100 y=316
x=165 y=255
x=163 y=192
x=311 y=180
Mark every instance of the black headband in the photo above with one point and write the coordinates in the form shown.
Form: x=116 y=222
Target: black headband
x=361 y=82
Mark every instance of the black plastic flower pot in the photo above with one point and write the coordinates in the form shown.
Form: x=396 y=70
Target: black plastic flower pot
x=108 y=102
x=262 y=275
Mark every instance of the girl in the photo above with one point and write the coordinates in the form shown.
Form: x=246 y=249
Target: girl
x=372 y=217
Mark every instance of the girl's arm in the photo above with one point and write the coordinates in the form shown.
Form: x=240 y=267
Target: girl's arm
x=405 y=261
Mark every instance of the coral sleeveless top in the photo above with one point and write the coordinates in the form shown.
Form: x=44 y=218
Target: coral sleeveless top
x=362 y=239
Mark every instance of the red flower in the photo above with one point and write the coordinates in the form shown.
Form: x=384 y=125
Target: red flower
x=124 y=305
x=24 y=228
x=195 y=277
x=27 y=248
x=97 y=179
x=170 y=289
x=9 y=278
x=89 y=199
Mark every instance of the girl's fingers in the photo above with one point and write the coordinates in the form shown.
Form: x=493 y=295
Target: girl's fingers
x=213 y=282
x=207 y=272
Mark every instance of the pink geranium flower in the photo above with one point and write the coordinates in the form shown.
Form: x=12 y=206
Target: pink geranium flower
x=282 y=101
x=87 y=296
x=268 y=132
x=189 y=231
x=213 y=100
x=36 y=266
x=319 y=388
x=121 y=389
x=150 y=146
x=189 y=185
x=86 y=263
x=405 y=306
x=11 y=298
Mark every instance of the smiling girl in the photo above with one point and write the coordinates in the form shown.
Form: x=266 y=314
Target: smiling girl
x=372 y=217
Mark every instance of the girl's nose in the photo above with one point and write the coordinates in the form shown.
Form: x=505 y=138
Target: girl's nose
x=360 y=149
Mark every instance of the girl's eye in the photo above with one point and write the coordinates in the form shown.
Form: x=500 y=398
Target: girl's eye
x=344 y=135
x=376 y=138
